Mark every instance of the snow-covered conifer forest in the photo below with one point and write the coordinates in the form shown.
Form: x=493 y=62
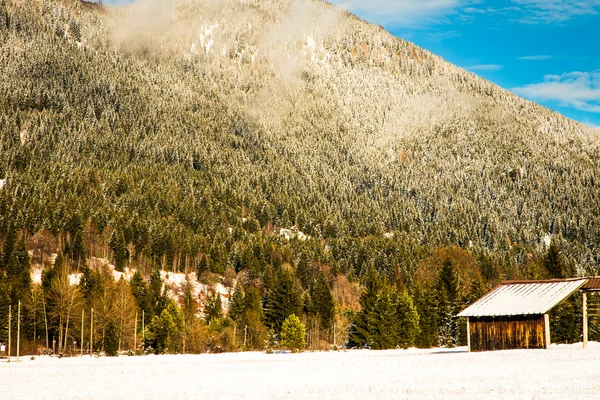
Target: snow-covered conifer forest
x=193 y=172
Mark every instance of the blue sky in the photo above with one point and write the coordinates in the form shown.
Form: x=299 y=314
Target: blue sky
x=545 y=50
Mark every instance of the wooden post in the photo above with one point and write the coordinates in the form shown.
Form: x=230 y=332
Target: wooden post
x=18 y=329
x=585 y=320
x=547 y=330
x=143 y=331
x=92 y=332
x=9 y=324
x=81 y=343
x=334 y=346
x=469 y=333
x=135 y=333
x=46 y=324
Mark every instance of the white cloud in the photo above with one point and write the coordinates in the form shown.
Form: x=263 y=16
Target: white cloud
x=534 y=58
x=579 y=90
x=485 y=67
x=553 y=11
x=473 y=10
x=401 y=12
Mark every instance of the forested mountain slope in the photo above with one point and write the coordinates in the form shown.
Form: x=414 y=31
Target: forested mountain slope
x=185 y=135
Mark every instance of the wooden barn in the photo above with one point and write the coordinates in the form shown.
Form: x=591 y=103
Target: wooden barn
x=515 y=314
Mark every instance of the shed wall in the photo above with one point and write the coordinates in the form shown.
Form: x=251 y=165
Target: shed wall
x=510 y=332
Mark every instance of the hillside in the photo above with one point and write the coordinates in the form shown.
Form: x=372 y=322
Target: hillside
x=184 y=136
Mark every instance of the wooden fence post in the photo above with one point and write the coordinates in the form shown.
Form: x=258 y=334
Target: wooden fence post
x=585 y=320
x=469 y=333
x=547 y=330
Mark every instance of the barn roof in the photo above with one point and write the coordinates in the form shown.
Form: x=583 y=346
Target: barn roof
x=523 y=298
x=592 y=285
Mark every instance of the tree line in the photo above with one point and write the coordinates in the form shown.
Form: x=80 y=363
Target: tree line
x=75 y=299
x=371 y=152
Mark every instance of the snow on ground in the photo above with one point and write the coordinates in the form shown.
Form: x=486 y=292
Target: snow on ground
x=565 y=372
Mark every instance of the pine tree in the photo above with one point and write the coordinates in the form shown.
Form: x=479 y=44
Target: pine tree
x=18 y=272
x=76 y=247
x=381 y=321
x=119 y=247
x=237 y=306
x=283 y=300
x=361 y=330
x=553 y=262
x=271 y=341
x=565 y=321
x=189 y=305
x=302 y=270
x=293 y=334
x=447 y=291
x=90 y=285
x=164 y=333
x=111 y=340
x=141 y=293
x=202 y=267
x=322 y=303
x=213 y=308
x=407 y=320
x=155 y=293
x=427 y=304
x=9 y=245
x=253 y=319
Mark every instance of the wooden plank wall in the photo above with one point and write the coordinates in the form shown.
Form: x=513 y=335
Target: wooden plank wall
x=500 y=333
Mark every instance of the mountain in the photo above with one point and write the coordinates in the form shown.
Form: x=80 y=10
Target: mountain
x=187 y=135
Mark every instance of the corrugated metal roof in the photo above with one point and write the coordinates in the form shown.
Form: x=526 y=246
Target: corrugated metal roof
x=593 y=284
x=523 y=298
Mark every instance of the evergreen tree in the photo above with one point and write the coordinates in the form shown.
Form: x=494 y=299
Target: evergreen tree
x=381 y=321
x=141 y=293
x=293 y=334
x=427 y=304
x=553 y=262
x=237 y=306
x=164 y=333
x=189 y=305
x=18 y=272
x=253 y=319
x=155 y=293
x=565 y=321
x=302 y=270
x=8 y=247
x=213 y=308
x=15 y=278
x=322 y=304
x=407 y=320
x=119 y=247
x=111 y=340
x=361 y=329
x=448 y=304
x=203 y=266
x=76 y=246
x=90 y=285
x=284 y=299
x=395 y=322
x=271 y=341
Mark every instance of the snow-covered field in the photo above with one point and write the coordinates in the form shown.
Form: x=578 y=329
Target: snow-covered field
x=565 y=372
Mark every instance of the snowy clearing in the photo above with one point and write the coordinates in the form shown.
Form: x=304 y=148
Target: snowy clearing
x=565 y=372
